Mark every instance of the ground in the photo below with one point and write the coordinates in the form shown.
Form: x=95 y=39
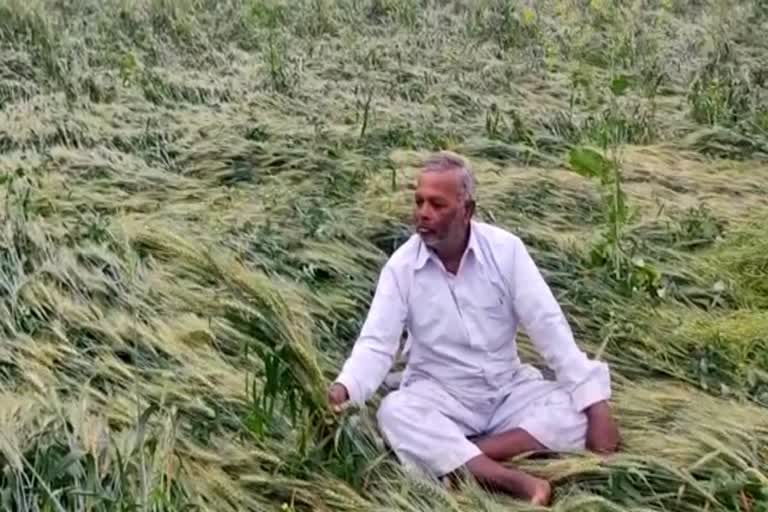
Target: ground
x=197 y=198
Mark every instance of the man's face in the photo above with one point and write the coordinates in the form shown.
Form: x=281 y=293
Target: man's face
x=441 y=215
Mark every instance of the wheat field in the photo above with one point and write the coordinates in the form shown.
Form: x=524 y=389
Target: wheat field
x=197 y=196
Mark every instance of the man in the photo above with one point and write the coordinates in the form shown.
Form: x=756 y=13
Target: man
x=461 y=288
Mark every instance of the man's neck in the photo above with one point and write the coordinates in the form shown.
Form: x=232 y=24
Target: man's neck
x=451 y=256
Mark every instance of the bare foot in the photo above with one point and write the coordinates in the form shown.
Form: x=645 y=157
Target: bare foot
x=493 y=475
x=541 y=493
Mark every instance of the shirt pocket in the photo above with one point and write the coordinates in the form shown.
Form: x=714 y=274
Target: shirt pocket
x=491 y=300
x=494 y=318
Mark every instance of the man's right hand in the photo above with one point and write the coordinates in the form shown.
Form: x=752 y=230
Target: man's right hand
x=338 y=396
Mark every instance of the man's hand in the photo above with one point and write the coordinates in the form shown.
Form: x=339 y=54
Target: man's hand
x=602 y=431
x=338 y=396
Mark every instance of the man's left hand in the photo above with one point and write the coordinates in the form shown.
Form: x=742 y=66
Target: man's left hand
x=602 y=431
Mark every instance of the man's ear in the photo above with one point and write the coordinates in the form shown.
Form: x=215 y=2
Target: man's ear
x=470 y=206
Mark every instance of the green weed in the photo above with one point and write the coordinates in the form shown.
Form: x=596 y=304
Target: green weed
x=613 y=249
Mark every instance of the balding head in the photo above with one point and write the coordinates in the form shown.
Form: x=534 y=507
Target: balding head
x=450 y=162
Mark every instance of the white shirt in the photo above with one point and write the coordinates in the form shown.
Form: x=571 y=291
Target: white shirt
x=462 y=329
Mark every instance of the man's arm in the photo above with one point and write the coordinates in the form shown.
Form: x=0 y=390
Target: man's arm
x=374 y=352
x=544 y=321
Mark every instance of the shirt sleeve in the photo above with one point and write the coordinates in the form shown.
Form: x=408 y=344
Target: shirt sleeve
x=543 y=320
x=375 y=349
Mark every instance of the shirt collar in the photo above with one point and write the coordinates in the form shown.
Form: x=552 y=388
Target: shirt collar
x=425 y=253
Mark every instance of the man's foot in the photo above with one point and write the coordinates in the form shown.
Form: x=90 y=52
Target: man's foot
x=541 y=493
x=517 y=483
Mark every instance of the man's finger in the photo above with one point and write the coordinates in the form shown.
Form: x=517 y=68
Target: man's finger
x=340 y=407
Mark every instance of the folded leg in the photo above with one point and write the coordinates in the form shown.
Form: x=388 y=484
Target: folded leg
x=427 y=429
x=428 y=433
x=547 y=423
x=505 y=445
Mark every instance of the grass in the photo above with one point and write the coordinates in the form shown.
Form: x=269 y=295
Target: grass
x=197 y=197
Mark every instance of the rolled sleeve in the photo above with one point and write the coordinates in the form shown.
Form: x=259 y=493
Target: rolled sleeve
x=355 y=391
x=594 y=388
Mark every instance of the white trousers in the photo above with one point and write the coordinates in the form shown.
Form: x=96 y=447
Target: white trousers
x=428 y=428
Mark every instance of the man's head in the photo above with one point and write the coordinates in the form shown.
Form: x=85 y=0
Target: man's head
x=444 y=201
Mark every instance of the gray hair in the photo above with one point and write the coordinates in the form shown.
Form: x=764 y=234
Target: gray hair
x=445 y=161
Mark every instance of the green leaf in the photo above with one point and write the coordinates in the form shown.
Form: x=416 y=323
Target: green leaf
x=590 y=163
x=64 y=465
x=620 y=84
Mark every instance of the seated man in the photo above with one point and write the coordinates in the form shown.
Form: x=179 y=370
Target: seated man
x=461 y=288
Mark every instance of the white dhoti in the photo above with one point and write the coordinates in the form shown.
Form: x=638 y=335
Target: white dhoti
x=429 y=428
